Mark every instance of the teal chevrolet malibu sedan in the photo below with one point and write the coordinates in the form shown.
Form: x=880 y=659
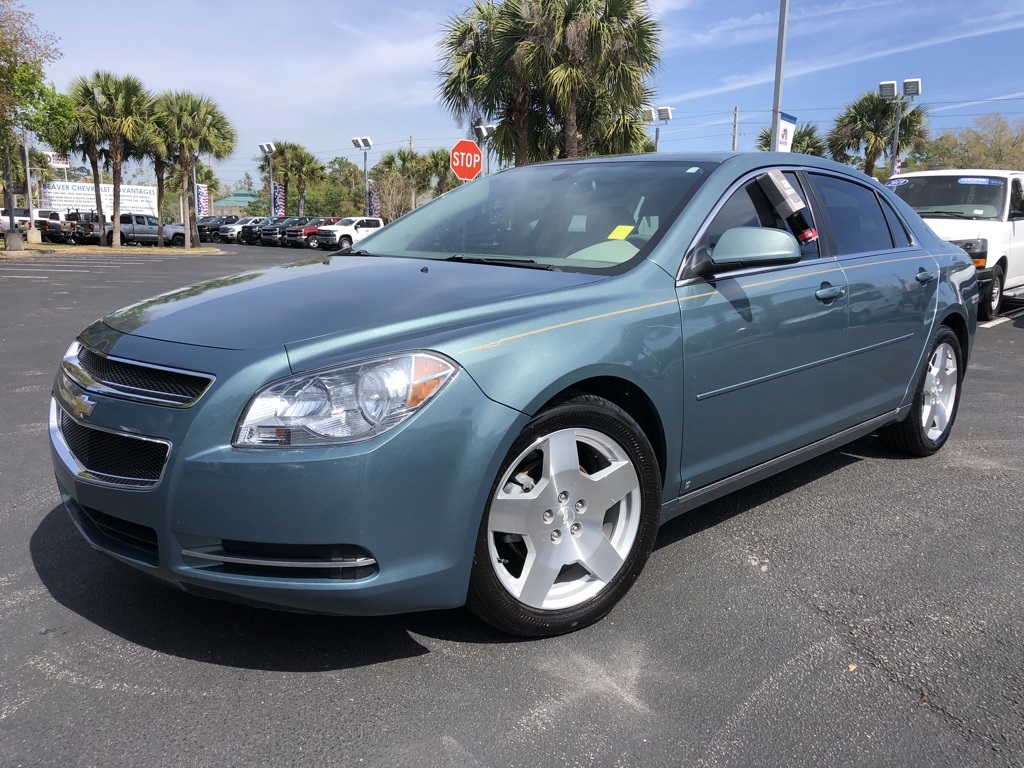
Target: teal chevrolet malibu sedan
x=497 y=399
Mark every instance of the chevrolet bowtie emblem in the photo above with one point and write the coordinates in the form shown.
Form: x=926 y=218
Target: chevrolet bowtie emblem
x=82 y=406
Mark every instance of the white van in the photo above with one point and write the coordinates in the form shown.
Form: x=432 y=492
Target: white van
x=982 y=211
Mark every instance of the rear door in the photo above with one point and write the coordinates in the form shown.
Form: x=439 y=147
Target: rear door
x=892 y=287
x=762 y=348
x=1015 y=271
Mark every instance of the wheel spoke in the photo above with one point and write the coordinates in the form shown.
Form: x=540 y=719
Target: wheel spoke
x=602 y=560
x=539 y=574
x=510 y=513
x=610 y=486
x=940 y=417
x=561 y=457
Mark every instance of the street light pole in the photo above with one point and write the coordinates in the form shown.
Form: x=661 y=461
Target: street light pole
x=659 y=116
x=483 y=134
x=887 y=90
x=364 y=143
x=780 y=58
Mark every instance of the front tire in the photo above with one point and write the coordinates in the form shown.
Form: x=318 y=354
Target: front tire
x=571 y=520
x=936 y=401
x=345 y=242
x=313 y=242
x=988 y=309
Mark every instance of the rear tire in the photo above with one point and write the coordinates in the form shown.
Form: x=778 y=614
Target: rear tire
x=988 y=308
x=178 y=241
x=936 y=401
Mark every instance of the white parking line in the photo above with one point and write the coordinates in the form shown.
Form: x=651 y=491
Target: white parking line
x=26 y=277
x=30 y=269
x=1002 y=319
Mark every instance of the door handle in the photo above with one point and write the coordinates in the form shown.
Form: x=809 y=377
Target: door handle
x=829 y=293
x=924 y=277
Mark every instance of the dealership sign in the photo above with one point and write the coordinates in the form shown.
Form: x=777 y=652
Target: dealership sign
x=71 y=196
x=57 y=161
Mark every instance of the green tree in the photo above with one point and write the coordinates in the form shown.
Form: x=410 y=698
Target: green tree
x=305 y=168
x=83 y=136
x=866 y=126
x=557 y=76
x=806 y=140
x=156 y=144
x=991 y=142
x=24 y=50
x=195 y=125
x=123 y=122
x=438 y=170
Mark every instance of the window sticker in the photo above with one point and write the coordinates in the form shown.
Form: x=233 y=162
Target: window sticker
x=980 y=181
x=621 y=232
x=896 y=182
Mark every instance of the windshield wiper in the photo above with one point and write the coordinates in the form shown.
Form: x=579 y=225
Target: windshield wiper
x=944 y=214
x=524 y=263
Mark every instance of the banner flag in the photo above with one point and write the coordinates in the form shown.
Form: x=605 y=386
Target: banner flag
x=278 y=208
x=787 y=126
x=202 y=200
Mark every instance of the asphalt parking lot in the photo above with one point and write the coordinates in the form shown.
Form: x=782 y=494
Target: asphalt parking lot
x=862 y=609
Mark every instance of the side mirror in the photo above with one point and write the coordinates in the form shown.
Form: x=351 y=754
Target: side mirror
x=750 y=246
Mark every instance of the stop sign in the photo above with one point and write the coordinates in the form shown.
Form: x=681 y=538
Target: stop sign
x=466 y=160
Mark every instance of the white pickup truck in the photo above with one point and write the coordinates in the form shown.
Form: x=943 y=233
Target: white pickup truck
x=347 y=231
x=982 y=211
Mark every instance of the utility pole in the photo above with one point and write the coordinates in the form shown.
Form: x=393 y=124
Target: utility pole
x=735 y=128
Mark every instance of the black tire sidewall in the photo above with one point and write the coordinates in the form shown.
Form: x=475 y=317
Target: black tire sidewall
x=489 y=599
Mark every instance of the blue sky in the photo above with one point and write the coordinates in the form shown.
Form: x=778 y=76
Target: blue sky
x=319 y=72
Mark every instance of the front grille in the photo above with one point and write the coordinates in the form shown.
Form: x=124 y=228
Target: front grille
x=143 y=382
x=133 y=535
x=346 y=562
x=114 y=458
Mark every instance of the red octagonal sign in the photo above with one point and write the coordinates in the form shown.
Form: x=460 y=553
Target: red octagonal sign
x=466 y=160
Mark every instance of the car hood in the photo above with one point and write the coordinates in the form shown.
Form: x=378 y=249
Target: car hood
x=341 y=294
x=966 y=229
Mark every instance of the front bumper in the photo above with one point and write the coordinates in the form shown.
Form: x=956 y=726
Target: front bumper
x=411 y=501
x=984 y=278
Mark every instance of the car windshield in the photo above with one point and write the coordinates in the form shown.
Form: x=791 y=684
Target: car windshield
x=346 y=222
x=583 y=215
x=956 y=196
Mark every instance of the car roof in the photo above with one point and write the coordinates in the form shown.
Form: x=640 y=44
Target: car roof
x=962 y=172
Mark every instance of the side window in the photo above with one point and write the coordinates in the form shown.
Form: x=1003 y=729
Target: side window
x=896 y=228
x=1016 y=196
x=151 y=221
x=750 y=207
x=126 y=218
x=857 y=220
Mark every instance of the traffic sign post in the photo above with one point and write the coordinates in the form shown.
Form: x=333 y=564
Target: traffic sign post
x=466 y=160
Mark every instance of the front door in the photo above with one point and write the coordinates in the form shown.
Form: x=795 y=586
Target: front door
x=763 y=350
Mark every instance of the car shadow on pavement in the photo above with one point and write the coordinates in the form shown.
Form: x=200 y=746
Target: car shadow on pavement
x=154 y=615
x=736 y=503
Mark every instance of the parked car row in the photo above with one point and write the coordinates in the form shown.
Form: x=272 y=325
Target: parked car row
x=331 y=232
x=71 y=227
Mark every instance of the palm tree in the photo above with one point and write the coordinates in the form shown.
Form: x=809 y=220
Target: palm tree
x=123 y=121
x=156 y=147
x=438 y=169
x=595 y=45
x=305 y=168
x=867 y=125
x=806 y=140
x=83 y=136
x=194 y=125
x=279 y=165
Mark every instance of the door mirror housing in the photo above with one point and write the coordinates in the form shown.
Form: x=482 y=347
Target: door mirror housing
x=750 y=246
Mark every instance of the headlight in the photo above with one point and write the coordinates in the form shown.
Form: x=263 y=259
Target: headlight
x=343 y=405
x=976 y=248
